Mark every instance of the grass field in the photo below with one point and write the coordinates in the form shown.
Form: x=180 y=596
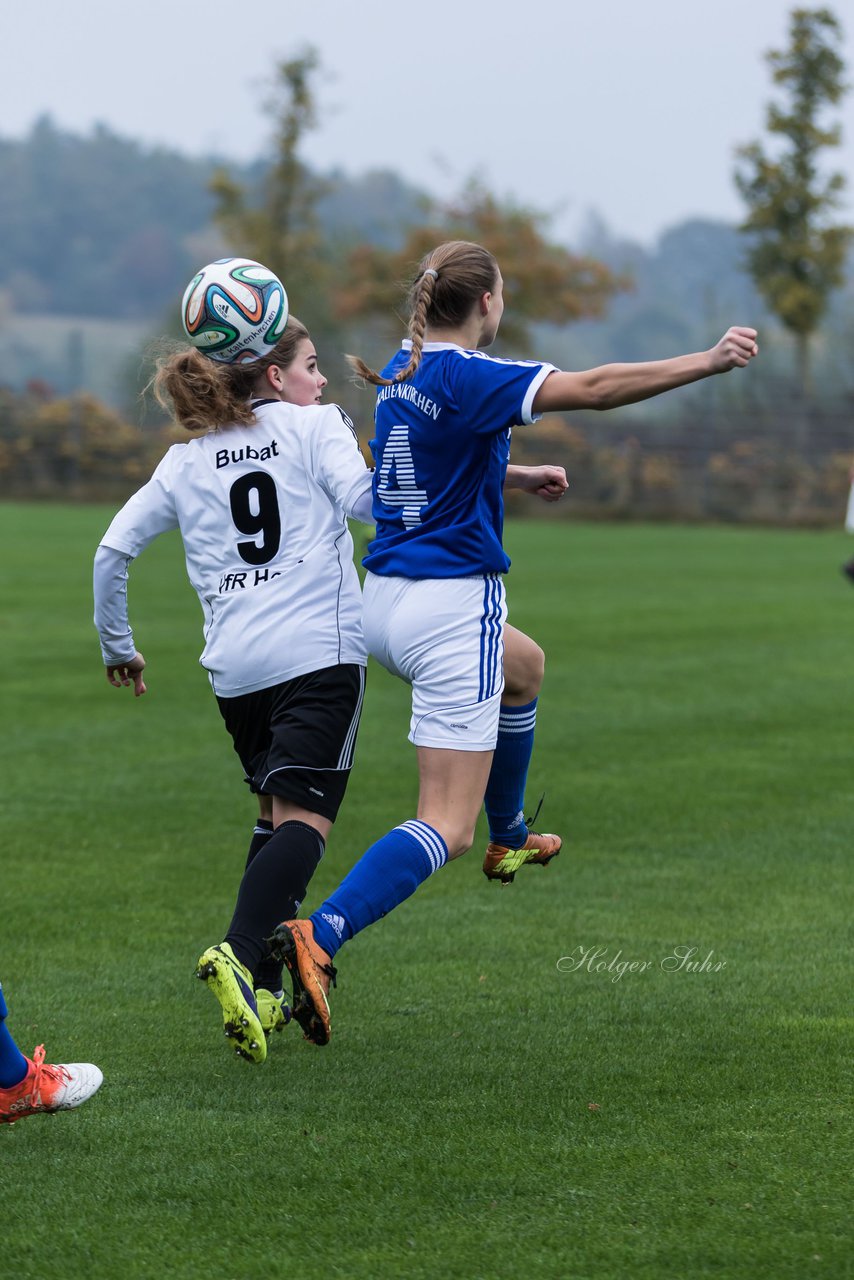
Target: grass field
x=492 y=1104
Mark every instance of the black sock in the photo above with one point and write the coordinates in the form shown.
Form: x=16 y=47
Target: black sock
x=260 y=836
x=269 y=972
x=272 y=889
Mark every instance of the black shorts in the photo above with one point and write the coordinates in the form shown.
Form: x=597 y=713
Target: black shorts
x=296 y=740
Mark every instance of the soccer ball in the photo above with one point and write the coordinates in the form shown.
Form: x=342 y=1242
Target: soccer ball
x=234 y=310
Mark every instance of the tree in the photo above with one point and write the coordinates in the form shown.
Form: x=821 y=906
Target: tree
x=279 y=225
x=330 y=284
x=796 y=255
x=543 y=281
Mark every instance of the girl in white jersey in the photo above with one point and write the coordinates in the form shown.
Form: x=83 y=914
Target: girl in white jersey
x=434 y=597
x=261 y=497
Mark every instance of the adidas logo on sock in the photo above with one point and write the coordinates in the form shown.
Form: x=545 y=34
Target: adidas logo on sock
x=337 y=923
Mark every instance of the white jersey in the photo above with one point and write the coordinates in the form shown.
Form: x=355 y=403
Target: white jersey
x=262 y=512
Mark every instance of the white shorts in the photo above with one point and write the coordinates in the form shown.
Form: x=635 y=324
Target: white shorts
x=445 y=637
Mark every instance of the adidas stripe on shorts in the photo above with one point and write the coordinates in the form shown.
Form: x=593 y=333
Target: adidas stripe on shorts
x=445 y=637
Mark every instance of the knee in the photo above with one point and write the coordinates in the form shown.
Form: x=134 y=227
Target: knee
x=458 y=838
x=524 y=669
x=537 y=669
x=459 y=841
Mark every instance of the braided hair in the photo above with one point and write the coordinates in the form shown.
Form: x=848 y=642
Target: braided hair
x=448 y=282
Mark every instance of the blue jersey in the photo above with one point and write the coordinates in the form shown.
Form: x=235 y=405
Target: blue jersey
x=441 y=450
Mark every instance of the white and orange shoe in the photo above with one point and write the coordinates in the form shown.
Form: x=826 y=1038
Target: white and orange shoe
x=48 y=1088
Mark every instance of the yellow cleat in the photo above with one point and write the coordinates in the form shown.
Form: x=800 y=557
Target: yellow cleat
x=231 y=983
x=273 y=1013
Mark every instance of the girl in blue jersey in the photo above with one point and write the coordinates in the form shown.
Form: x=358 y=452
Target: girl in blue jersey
x=434 y=605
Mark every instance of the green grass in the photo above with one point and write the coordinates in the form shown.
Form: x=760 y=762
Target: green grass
x=480 y=1112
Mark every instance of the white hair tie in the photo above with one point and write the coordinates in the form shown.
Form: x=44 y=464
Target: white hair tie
x=430 y=271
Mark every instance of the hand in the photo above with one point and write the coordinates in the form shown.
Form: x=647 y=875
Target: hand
x=546 y=482
x=736 y=349
x=126 y=673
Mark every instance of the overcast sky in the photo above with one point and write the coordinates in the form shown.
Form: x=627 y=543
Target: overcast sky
x=631 y=110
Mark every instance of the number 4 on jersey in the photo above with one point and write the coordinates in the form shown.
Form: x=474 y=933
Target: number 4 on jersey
x=396 y=485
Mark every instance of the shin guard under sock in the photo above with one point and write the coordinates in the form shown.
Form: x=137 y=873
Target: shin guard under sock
x=385 y=875
x=273 y=886
x=505 y=788
x=269 y=973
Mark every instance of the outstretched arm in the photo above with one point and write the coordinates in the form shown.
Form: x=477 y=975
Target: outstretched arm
x=611 y=385
x=546 y=482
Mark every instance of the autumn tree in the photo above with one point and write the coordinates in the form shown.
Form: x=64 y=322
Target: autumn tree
x=71 y=447
x=333 y=287
x=278 y=225
x=543 y=281
x=796 y=254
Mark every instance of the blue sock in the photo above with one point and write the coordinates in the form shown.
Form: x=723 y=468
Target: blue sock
x=13 y=1064
x=505 y=787
x=385 y=875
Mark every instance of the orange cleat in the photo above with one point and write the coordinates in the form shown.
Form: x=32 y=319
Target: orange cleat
x=311 y=972
x=502 y=864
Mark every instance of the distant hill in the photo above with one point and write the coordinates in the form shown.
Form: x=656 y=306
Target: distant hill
x=98 y=235
x=103 y=227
